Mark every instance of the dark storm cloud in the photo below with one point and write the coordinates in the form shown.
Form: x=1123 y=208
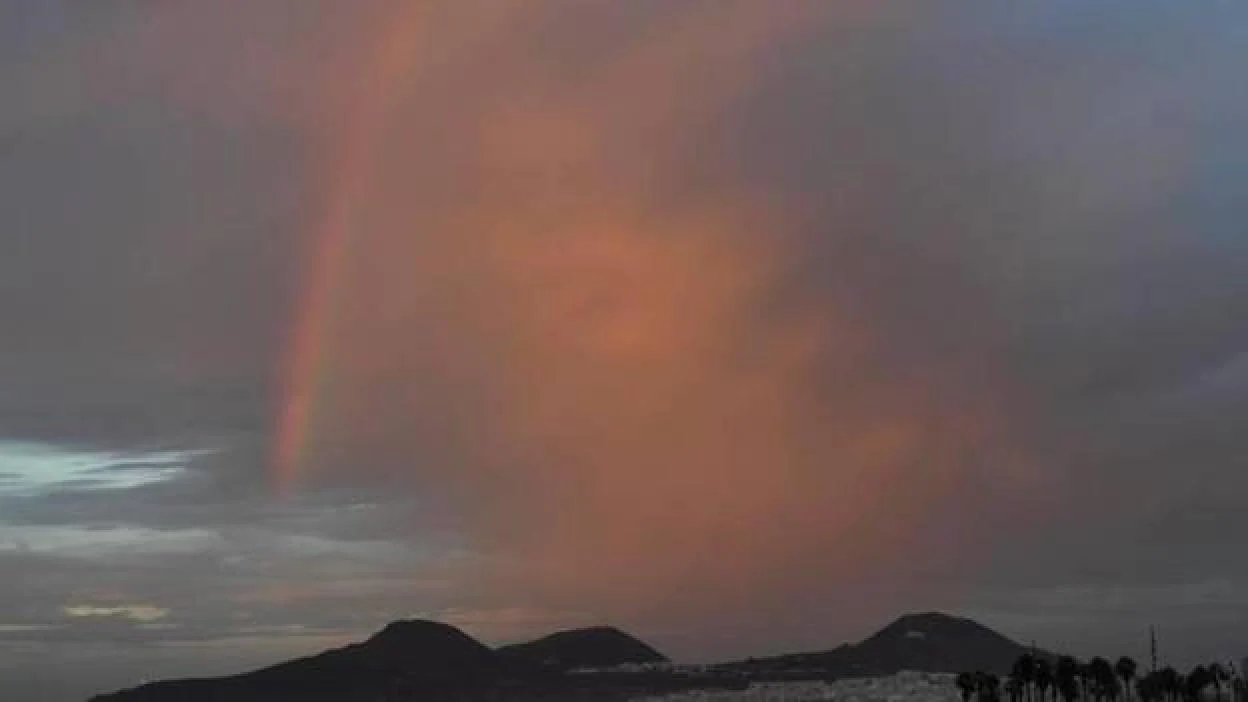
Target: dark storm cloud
x=1046 y=199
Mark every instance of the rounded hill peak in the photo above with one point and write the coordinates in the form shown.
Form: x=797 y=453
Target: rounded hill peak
x=931 y=623
x=593 y=647
x=428 y=642
x=937 y=642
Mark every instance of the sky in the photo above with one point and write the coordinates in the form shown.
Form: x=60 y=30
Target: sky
x=746 y=326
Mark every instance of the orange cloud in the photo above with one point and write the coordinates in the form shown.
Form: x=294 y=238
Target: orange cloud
x=563 y=310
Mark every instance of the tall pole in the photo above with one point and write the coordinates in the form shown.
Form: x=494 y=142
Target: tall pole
x=1152 y=640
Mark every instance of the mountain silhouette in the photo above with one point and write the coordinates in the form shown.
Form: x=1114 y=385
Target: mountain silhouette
x=597 y=647
x=935 y=643
x=422 y=660
x=429 y=645
x=405 y=658
x=930 y=642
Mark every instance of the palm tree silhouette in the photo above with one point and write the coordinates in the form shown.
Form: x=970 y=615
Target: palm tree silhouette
x=1043 y=677
x=1024 y=672
x=1085 y=681
x=1149 y=687
x=1197 y=681
x=1102 y=679
x=1126 y=670
x=1014 y=689
x=989 y=687
x=1170 y=683
x=1067 y=677
x=966 y=685
x=1218 y=674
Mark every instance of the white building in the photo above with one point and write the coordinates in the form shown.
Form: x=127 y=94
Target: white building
x=903 y=687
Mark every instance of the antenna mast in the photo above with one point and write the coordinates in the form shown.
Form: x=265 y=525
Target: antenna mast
x=1152 y=640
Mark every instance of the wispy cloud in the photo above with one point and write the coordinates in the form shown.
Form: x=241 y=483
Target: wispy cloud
x=31 y=469
x=145 y=614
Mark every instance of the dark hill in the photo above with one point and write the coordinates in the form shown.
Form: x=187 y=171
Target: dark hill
x=597 y=647
x=406 y=658
x=426 y=644
x=931 y=642
x=935 y=643
x=430 y=662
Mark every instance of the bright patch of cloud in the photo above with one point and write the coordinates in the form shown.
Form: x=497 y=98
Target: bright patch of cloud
x=28 y=469
x=139 y=613
x=95 y=544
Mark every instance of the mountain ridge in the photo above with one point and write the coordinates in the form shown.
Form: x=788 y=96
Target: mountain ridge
x=929 y=642
x=418 y=659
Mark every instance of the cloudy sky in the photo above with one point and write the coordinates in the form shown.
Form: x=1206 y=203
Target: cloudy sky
x=744 y=325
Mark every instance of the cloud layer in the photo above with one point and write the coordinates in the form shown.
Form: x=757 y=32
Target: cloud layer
x=743 y=326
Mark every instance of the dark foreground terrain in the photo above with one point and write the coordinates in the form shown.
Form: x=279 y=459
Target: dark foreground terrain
x=419 y=661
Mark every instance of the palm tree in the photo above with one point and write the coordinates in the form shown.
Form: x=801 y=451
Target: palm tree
x=1169 y=683
x=1087 y=679
x=966 y=685
x=989 y=687
x=1014 y=689
x=1218 y=674
x=1239 y=691
x=1126 y=669
x=1149 y=688
x=1102 y=679
x=1067 y=677
x=1044 y=677
x=1197 y=681
x=1025 y=672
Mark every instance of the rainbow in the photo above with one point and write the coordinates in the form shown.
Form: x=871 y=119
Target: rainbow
x=307 y=354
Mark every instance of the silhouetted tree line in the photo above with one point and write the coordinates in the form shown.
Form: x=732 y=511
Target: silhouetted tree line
x=1038 y=679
